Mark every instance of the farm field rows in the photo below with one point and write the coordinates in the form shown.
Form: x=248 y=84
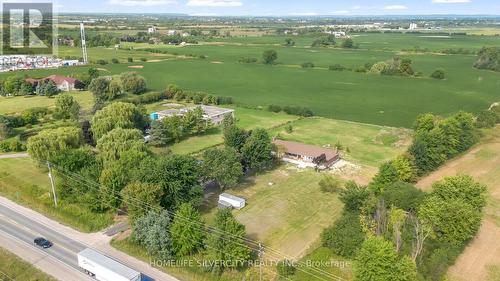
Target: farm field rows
x=366 y=98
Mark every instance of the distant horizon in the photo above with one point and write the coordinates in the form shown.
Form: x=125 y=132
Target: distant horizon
x=282 y=8
x=282 y=16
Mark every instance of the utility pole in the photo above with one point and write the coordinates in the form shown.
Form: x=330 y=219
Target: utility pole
x=51 y=177
x=84 y=44
x=261 y=253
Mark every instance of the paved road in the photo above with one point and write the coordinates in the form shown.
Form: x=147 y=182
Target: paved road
x=14 y=155
x=23 y=225
x=15 y=225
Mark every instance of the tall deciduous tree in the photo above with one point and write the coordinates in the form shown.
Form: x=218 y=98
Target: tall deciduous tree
x=118 y=115
x=235 y=137
x=139 y=198
x=225 y=246
x=257 y=150
x=270 y=56
x=453 y=220
x=66 y=107
x=49 y=143
x=222 y=165
x=377 y=260
x=113 y=144
x=179 y=177
x=188 y=230
x=133 y=83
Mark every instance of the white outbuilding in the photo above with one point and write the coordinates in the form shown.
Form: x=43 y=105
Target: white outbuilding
x=227 y=200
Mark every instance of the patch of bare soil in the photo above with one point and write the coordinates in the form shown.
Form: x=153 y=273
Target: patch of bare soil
x=136 y=66
x=483 y=163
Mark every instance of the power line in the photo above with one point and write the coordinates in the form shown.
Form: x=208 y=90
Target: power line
x=202 y=226
x=169 y=231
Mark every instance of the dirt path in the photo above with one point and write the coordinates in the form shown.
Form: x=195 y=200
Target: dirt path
x=14 y=155
x=483 y=163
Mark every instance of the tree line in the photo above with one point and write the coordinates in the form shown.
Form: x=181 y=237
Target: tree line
x=393 y=230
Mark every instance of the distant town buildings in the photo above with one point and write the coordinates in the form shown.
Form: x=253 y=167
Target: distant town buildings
x=26 y=62
x=413 y=26
x=152 y=29
x=171 y=32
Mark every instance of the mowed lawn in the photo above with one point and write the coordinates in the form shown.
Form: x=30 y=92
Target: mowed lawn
x=481 y=259
x=15 y=105
x=288 y=215
x=24 y=182
x=14 y=268
x=363 y=144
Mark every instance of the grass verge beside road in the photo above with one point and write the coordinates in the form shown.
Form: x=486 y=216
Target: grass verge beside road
x=14 y=268
x=23 y=182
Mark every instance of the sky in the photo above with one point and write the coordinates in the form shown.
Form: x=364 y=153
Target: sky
x=284 y=7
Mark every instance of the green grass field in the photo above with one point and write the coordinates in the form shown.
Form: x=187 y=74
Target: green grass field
x=374 y=99
x=279 y=215
x=367 y=144
x=22 y=181
x=14 y=105
x=14 y=268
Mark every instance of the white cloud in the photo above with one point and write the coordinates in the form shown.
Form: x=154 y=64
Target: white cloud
x=395 y=7
x=141 y=3
x=215 y=3
x=450 y=1
x=357 y=7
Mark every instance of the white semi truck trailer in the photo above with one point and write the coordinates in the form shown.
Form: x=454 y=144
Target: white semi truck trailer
x=104 y=268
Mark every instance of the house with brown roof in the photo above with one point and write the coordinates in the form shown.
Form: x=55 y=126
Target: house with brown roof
x=63 y=83
x=305 y=155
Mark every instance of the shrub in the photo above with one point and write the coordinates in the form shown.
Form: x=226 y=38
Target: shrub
x=345 y=236
x=353 y=196
x=488 y=58
x=486 y=119
x=274 y=108
x=438 y=74
x=299 y=111
x=337 y=67
x=115 y=60
x=307 y=65
x=289 y=129
x=224 y=100
x=130 y=59
x=285 y=268
x=248 y=60
x=330 y=184
x=360 y=69
x=144 y=59
x=102 y=62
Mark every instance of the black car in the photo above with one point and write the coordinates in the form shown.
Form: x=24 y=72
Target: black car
x=42 y=243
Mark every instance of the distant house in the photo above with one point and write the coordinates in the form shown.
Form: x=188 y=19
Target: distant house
x=305 y=155
x=63 y=83
x=171 y=32
x=152 y=29
x=210 y=113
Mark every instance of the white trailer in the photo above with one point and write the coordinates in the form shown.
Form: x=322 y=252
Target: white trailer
x=226 y=199
x=104 y=268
